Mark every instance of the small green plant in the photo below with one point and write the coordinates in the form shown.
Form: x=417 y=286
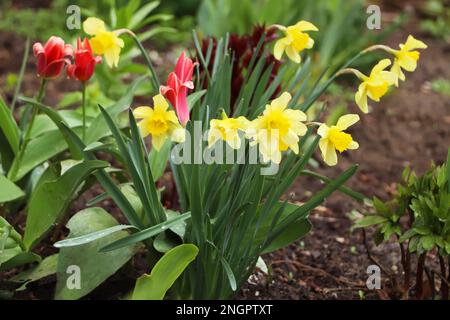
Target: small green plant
x=418 y=218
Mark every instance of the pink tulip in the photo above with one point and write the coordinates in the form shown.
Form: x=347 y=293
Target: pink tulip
x=178 y=84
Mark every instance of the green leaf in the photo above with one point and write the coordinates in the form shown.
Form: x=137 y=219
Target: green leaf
x=146 y=233
x=9 y=127
x=369 y=221
x=194 y=97
x=44 y=269
x=8 y=190
x=76 y=241
x=295 y=231
x=40 y=150
x=51 y=199
x=164 y=273
x=98 y=128
x=94 y=266
x=158 y=159
x=428 y=242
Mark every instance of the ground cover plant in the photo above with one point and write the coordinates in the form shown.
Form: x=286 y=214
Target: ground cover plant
x=196 y=160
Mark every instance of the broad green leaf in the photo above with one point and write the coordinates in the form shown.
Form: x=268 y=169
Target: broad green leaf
x=51 y=199
x=94 y=266
x=9 y=127
x=8 y=190
x=44 y=269
x=40 y=150
x=164 y=273
x=370 y=221
x=12 y=251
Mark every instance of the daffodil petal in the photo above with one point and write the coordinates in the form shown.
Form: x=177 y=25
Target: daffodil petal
x=353 y=145
x=158 y=141
x=328 y=152
x=142 y=112
x=361 y=98
x=293 y=54
x=346 y=121
x=160 y=102
x=306 y=26
x=279 y=49
x=93 y=26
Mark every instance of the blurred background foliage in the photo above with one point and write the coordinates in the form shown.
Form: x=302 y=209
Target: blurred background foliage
x=166 y=28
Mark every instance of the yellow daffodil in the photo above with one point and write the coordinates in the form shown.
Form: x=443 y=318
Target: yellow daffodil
x=227 y=130
x=294 y=41
x=406 y=58
x=104 y=42
x=159 y=122
x=334 y=138
x=374 y=86
x=277 y=129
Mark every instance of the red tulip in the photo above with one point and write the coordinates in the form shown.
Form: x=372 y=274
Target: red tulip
x=52 y=57
x=178 y=84
x=84 y=63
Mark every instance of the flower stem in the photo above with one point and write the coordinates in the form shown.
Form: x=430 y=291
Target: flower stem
x=26 y=138
x=83 y=106
x=155 y=81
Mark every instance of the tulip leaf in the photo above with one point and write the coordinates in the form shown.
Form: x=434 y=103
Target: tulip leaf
x=51 y=199
x=8 y=126
x=164 y=273
x=8 y=190
x=44 y=269
x=84 y=262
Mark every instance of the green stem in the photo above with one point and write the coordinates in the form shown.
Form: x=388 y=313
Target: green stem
x=83 y=106
x=26 y=138
x=21 y=74
x=155 y=81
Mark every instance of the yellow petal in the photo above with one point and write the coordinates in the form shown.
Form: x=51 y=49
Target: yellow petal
x=282 y=101
x=279 y=49
x=353 y=145
x=380 y=66
x=323 y=130
x=408 y=63
x=143 y=127
x=310 y=43
x=158 y=141
x=293 y=54
x=346 y=121
x=361 y=98
x=306 y=26
x=213 y=136
x=112 y=56
x=142 y=112
x=397 y=71
x=328 y=152
x=93 y=26
x=160 y=102
x=178 y=135
x=412 y=43
x=390 y=77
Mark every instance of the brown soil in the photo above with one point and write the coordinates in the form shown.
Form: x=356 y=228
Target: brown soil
x=410 y=127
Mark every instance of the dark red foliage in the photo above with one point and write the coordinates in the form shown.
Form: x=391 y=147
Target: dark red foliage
x=243 y=48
